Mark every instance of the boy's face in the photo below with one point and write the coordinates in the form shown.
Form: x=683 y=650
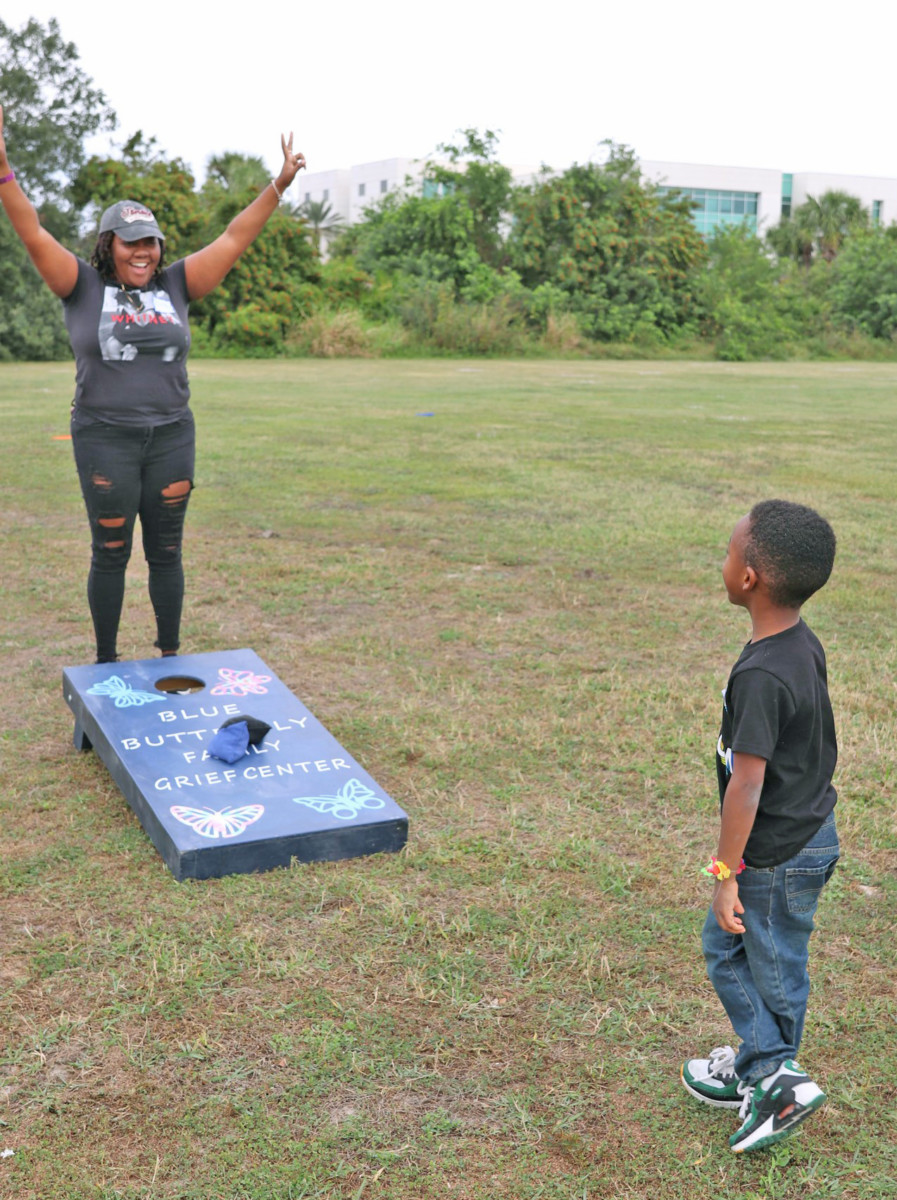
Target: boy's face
x=736 y=573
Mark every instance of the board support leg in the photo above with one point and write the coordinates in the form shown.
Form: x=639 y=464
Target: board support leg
x=80 y=740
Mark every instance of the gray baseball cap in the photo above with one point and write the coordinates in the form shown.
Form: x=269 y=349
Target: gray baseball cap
x=131 y=221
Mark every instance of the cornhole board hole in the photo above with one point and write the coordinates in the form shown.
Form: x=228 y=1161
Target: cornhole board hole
x=297 y=794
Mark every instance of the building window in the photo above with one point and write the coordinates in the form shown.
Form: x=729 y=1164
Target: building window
x=431 y=189
x=361 y=189
x=383 y=186
x=326 y=193
x=307 y=197
x=787 y=189
x=876 y=211
x=714 y=208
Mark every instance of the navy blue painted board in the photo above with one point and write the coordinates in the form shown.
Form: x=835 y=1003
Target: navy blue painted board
x=298 y=794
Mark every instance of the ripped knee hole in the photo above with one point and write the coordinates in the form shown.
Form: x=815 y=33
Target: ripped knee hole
x=112 y=523
x=176 y=493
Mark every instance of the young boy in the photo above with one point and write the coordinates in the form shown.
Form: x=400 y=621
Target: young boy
x=777 y=843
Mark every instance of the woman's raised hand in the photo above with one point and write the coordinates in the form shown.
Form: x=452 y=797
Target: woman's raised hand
x=293 y=161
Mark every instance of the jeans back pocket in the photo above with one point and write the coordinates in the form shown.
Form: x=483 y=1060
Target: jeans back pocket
x=803 y=885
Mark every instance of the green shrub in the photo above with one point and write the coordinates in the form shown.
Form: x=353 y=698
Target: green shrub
x=249 y=332
x=342 y=283
x=751 y=307
x=863 y=293
x=431 y=312
x=31 y=324
x=339 y=334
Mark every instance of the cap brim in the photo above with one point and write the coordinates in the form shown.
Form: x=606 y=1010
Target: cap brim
x=133 y=233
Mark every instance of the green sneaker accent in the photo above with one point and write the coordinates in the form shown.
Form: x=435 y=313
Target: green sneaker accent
x=713 y=1080
x=775 y=1107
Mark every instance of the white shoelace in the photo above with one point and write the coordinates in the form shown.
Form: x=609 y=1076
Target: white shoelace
x=721 y=1061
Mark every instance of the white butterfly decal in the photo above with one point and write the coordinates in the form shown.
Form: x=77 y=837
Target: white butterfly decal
x=123 y=694
x=352 y=797
x=212 y=823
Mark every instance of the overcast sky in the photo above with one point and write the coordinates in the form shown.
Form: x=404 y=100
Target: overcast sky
x=786 y=84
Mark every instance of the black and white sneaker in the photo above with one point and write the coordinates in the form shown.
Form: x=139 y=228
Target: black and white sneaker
x=775 y=1106
x=713 y=1080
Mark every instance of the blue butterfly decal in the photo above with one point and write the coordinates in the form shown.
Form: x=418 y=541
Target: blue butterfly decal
x=122 y=693
x=352 y=797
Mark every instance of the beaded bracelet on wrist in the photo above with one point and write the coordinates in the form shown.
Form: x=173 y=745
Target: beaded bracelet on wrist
x=717 y=869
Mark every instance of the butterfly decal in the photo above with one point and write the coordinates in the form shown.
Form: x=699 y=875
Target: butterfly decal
x=352 y=797
x=122 y=693
x=223 y=823
x=239 y=683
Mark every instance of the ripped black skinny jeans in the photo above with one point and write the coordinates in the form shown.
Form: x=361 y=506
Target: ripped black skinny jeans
x=128 y=472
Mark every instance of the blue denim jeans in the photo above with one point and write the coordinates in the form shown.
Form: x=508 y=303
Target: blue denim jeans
x=761 y=976
x=128 y=472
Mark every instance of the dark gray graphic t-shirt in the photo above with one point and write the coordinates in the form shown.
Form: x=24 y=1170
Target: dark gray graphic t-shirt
x=130 y=348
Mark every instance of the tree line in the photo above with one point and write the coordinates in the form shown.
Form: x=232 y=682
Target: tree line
x=590 y=260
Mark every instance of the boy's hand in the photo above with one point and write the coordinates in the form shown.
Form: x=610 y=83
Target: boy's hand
x=727 y=907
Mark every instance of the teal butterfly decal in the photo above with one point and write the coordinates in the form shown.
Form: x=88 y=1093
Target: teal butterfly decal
x=352 y=797
x=122 y=693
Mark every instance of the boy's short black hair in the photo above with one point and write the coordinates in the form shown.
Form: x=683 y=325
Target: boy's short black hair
x=792 y=548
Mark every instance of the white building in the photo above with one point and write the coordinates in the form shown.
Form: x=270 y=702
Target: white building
x=722 y=195
x=879 y=196
x=350 y=191
x=755 y=196
x=760 y=197
x=330 y=187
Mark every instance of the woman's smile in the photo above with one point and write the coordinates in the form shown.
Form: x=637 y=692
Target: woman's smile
x=135 y=262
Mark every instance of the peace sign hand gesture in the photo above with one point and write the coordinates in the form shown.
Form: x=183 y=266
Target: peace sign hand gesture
x=293 y=162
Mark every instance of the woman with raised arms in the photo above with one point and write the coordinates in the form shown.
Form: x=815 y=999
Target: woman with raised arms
x=132 y=428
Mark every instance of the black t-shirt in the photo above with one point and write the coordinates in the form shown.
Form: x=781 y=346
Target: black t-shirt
x=130 y=347
x=777 y=707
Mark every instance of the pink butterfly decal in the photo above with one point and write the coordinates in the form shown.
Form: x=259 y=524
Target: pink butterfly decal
x=226 y=823
x=239 y=683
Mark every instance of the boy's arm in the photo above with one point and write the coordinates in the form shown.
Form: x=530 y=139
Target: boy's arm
x=739 y=811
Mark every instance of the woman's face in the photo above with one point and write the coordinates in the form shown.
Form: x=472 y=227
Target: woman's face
x=135 y=262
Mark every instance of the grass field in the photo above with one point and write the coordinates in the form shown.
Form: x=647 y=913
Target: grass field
x=498 y=584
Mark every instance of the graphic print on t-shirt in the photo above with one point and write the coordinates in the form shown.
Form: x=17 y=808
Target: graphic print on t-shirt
x=134 y=322
x=723 y=751
x=725 y=755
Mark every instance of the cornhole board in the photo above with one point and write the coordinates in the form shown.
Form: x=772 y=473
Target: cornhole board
x=298 y=794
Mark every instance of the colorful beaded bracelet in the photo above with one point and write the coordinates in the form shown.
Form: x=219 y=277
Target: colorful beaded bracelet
x=717 y=869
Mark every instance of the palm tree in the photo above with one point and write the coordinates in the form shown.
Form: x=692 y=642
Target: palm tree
x=819 y=226
x=324 y=222
x=793 y=237
x=837 y=215
x=237 y=172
